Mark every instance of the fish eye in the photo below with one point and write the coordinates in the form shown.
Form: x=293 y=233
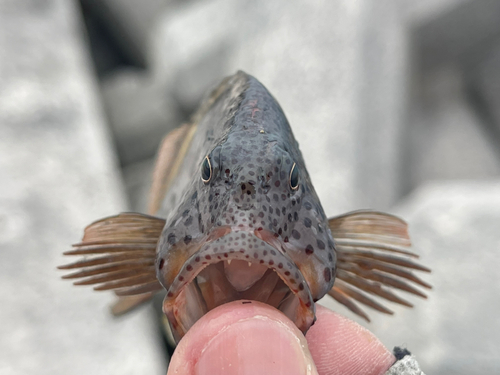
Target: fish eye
x=294 y=177
x=206 y=170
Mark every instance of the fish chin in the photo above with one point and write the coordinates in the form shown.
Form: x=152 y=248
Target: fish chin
x=237 y=266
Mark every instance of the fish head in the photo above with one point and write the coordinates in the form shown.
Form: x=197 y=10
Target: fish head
x=250 y=227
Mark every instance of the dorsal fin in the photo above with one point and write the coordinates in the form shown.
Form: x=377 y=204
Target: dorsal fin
x=170 y=155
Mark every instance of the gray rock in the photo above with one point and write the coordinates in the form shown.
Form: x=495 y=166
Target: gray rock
x=454 y=227
x=58 y=175
x=446 y=138
x=453 y=30
x=485 y=83
x=337 y=68
x=140 y=113
x=129 y=22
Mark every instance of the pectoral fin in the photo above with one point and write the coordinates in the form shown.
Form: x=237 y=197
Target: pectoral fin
x=119 y=254
x=367 y=243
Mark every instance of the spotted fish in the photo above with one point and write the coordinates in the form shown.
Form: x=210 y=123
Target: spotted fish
x=236 y=217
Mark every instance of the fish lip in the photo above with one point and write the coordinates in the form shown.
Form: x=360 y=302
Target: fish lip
x=278 y=261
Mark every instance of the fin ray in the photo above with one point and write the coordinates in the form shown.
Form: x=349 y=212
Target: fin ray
x=119 y=253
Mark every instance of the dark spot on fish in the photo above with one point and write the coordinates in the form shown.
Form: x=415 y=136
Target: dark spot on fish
x=171 y=239
x=162 y=263
x=296 y=216
x=197 y=259
x=285 y=239
x=185 y=213
x=189 y=267
x=309 y=249
x=307 y=222
x=301 y=286
x=208 y=257
x=308 y=206
x=275 y=197
x=187 y=239
x=277 y=183
x=327 y=274
x=295 y=234
x=321 y=245
x=331 y=245
x=181 y=278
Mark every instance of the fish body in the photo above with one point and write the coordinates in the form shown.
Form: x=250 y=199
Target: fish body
x=237 y=217
x=248 y=211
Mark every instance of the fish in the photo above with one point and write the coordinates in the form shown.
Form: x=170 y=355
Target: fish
x=233 y=215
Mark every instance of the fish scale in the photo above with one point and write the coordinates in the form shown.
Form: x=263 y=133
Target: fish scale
x=231 y=188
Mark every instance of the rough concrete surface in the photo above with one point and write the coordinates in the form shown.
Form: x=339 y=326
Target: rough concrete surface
x=57 y=175
x=140 y=112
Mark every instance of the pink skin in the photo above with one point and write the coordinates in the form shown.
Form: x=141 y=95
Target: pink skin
x=255 y=338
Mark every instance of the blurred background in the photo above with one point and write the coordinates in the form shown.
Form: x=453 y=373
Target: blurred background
x=395 y=104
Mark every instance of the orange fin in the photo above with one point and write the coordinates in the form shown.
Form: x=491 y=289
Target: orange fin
x=171 y=152
x=367 y=243
x=128 y=303
x=119 y=254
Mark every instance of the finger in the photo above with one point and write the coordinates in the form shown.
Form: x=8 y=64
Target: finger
x=341 y=346
x=243 y=337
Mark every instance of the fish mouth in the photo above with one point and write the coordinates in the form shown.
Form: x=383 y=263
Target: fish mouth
x=238 y=265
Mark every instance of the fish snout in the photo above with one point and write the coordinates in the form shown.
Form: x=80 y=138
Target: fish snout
x=244 y=196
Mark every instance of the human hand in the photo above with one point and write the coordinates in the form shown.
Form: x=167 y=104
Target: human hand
x=249 y=337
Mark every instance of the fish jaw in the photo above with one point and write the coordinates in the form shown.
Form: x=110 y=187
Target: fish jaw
x=216 y=274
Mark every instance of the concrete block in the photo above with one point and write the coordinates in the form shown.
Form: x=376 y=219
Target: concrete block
x=484 y=80
x=446 y=138
x=140 y=113
x=454 y=227
x=453 y=30
x=337 y=68
x=58 y=174
x=129 y=23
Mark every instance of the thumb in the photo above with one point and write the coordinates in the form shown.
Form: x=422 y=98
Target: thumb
x=243 y=337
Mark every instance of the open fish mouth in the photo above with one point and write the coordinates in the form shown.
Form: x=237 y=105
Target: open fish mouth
x=239 y=265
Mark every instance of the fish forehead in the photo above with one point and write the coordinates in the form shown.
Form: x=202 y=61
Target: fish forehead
x=252 y=151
